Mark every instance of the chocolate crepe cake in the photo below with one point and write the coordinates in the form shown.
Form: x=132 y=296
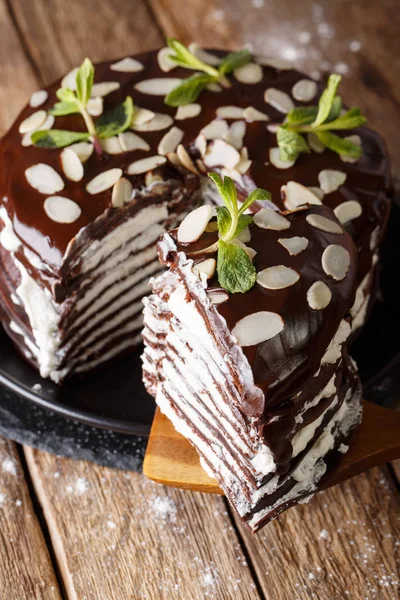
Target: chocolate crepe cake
x=260 y=382
x=79 y=223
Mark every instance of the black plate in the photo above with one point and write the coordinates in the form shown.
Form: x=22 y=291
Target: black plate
x=114 y=397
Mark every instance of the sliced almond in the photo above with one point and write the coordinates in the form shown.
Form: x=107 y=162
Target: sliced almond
x=146 y=164
x=275 y=63
x=188 y=111
x=164 y=61
x=315 y=144
x=33 y=122
x=141 y=116
x=355 y=139
x=336 y=261
x=69 y=80
x=201 y=166
x=129 y=141
x=207 y=57
x=127 y=65
x=170 y=141
x=275 y=159
x=304 y=90
x=48 y=124
x=324 y=224
x=174 y=159
x=216 y=130
x=205 y=268
x=229 y=112
x=194 y=224
x=38 y=98
x=348 y=211
x=217 y=295
x=185 y=159
x=270 y=219
x=103 y=181
x=250 y=73
x=277 y=278
x=61 y=210
x=83 y=150
x=104 y=88
x=236 y=134
x=257 y=328
x=281 y=101
x=214 y=87
x=317 y=192
x=111 y=145
x=122 y=192
x=160 y=86
x=294 y=245
x=319 y=295
x=95 y=106
x=273 y=127
x=201 y=144
x=294 y=194
x=157 y=123
x=330 y=180
x=71 y=164
x=44 y=179
x=221 y=154
x=251 y=114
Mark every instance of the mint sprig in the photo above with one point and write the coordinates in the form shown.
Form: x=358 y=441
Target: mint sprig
x=108 y=124
x=236 y=272
x=190 y=89
x=321 y=120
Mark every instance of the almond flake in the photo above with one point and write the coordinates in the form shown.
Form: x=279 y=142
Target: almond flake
x=275 y=63
x=216 y=130
x=355 y=139
x=141 y=116
x=170 y=141
x=69 y=80
x=160 y=86
x=250 y=73
x=304 y=90
x=229 y=112
x=275 y=159
x=217 y=295
x=221 y=154
x=122 y=192
x=257 y=328
x=348 y=211
x=83 y=150
x=205 y=267
x=127 y=65
x=173 y=158
x=277 y=278
x=130 y=141
x=273 y=127
x=61 y=210
x=27 y=137
x=270 y=219
x=214 y=87
x=164 y=61
x=294 y=194
x=71 y=164
x=33 y=122
x=201 y=166
x=111 y=145
x=146 y=164
x=104 y=88
x=294 y=245
x=103 y=181
x=251 y=114
x=201 y=144
x=315 y=144
x=236 y=134
x=319 y=295
x=95 y=106
x=330 y=180
x=336 y=261
x=207 y=57
x=317 y=192
x=38 y=98
x=194 y=224
x=279 y=100
x=157 y=123
x=185 y=159
x=324 y=224
x=188 y=111
x=44 y=179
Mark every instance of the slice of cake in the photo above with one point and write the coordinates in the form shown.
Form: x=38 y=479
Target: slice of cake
x=245 y=348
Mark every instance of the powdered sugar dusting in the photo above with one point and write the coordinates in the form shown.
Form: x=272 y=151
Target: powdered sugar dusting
x=9 y=466
x=165 y=508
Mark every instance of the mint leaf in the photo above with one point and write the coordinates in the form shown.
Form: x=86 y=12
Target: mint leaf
x=223 y=219
x=243 y=222
x=84 y=81
x=326 y=99
x=64 y=108
x=115 y=120
x=291 y=144
x=189 y=90
x=256 y=195
x=187 y=59
x=236 y=272
x=335 y=109
x=353 y=118
x=339 y=145
x=233 y=60
x=57 y=138
x=302 y=115
x=227 y=191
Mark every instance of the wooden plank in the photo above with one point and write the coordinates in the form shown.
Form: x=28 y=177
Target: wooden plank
x=343 y=544
x=58 y=34
x=26 y=572
x=315 y=36
x=118 y=535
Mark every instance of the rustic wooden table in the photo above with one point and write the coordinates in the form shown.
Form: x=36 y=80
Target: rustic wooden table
x=77 y=531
